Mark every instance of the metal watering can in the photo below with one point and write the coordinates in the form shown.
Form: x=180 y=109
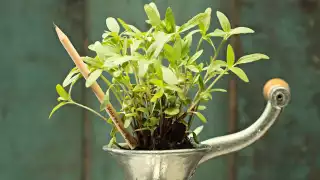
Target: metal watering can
x=181 y=164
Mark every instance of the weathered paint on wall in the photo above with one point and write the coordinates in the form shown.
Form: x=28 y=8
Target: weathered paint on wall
x=289 y=35
x=32 y=62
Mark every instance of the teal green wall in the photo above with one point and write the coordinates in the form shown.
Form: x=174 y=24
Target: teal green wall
x=69 y=146
x=32 y=62
x=289 y=32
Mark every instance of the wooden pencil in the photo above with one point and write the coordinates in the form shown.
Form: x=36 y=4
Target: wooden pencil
x=131 y=141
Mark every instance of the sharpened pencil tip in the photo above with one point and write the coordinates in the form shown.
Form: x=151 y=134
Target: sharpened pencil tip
x=60 y=34
x=54 y=25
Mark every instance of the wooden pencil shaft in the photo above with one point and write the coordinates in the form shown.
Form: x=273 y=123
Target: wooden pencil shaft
x=95 y=87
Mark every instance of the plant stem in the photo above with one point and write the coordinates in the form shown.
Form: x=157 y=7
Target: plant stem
x=215 y=57
x=112 y=88
x=161 y=118
x=199 y=44
x=209 y=87
x=89 y=109
x=197 y=98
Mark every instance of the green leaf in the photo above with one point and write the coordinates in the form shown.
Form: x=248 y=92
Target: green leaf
x=125 y=46
x=93 y=77
x=213 y=67
x=182 y=96
x=60 y=99
x=134 y=29
x=158 y=67
x=206 y=96
x=224 y=22
x=113 y=132
x=103 y=50
x=154 y=6
x=201 y=83
x=186 y=46
x=117 y=60
x=169 y=53
x=210 y=42
x=109 y=121
x=113 y=25
x=218 y=90
x=139 y=88
x=62 y=92
x=117 y=73
x=173 y=88
x=195 y=138
x=153 y=14
x=153 y=121
x=230 y=56
x=217 y=33
x=241 y=30
x=111 y=142
x=131 y=115
x=156 y=47
x=143 y=67
x=70 y=77
x=177 y=47
x=172 y=111
x=205 y=22
x=220 y=63
x=251 y=58
x=127 y=122
x=200 y=108
x=196 y=79
x=198 y=130
x=57 y=107
x=168 y=76
x=156 y=82
x=106 y=100
x=70 y=80
x=142 y=109
x=106 y=34
x=192 y=22
x=195 y=56
x=193 y=68
x=127 y=27
x=191 y=33
x=94 y=62
x=135 y=45
x=124 y=25
x=240 y=73
x=170 y=21
x=158 y=95
x=201 y=117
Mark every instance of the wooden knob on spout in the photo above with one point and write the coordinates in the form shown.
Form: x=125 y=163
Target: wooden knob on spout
x=277 y=91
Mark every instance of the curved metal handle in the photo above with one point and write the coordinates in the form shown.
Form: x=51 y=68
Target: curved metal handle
x=277 y=93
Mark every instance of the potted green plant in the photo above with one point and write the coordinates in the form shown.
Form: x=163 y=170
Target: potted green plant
x=153 y=73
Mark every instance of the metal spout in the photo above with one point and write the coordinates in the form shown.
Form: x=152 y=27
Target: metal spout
x=277 y=93
x=159 y=165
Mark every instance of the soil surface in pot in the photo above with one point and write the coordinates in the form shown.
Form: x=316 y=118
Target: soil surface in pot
x=170 y=136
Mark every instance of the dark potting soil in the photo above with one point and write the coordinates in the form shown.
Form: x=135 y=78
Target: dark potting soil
x=169 y=137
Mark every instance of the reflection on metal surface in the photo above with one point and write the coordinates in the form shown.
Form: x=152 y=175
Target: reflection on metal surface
x=159 y=165
x=181 y=164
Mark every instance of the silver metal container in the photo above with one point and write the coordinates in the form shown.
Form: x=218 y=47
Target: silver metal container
x=181 y=164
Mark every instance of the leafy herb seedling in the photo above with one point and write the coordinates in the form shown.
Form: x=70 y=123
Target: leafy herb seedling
x=153 y=72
